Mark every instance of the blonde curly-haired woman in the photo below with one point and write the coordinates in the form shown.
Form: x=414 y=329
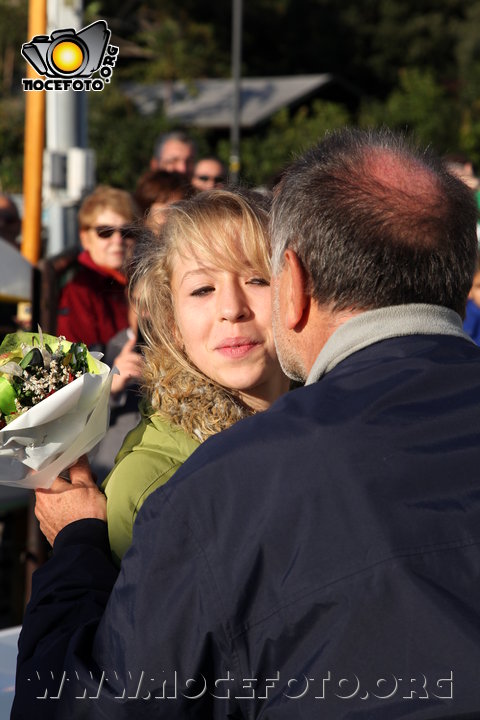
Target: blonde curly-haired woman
x=203 y=300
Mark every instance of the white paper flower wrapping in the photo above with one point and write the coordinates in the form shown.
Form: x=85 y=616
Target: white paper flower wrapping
x=50 y=436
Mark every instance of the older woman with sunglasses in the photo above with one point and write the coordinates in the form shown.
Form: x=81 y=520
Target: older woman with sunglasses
x=93 y=306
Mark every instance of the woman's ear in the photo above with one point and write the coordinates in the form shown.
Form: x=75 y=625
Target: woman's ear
x=297 y=299
x=84 y=239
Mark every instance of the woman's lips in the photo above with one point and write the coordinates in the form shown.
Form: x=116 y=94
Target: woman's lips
x=237 y=347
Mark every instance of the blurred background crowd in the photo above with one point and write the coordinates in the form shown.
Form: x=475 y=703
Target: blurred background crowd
x=161 y=130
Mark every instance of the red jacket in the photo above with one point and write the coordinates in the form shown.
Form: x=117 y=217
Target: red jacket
x=93 y=306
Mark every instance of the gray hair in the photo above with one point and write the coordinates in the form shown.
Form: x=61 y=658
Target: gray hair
x=376 y=222
x=178 y=135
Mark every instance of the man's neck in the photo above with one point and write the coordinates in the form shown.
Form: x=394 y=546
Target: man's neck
x=323 y=322
x=373 y=326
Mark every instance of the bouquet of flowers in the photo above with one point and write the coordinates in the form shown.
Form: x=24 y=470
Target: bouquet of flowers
x=53 y=406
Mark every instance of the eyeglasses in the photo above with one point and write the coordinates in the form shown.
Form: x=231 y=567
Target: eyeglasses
x=106 y=231
x=216 y=178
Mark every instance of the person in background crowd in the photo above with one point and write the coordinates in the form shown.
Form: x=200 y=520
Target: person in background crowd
x=174 y=152
x=156 y=190
x=10 y=223
x=123 y=351
x=461 y=166
x=208 y=173
x=93 y=306
x=471 y=323
x=10 y=226
x=322 y=558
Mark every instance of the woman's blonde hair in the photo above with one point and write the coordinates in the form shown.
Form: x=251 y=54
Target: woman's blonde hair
x=230 y=231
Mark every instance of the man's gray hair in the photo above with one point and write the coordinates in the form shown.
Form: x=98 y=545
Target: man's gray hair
x=376 y=222
x=179 y=135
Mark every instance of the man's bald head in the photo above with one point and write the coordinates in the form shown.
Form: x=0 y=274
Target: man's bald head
x=376 y=223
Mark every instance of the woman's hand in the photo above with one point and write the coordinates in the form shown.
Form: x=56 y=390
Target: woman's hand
x=130 y=365
x=66 y=502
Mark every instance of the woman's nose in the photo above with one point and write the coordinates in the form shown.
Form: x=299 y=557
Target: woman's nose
x=233 y=305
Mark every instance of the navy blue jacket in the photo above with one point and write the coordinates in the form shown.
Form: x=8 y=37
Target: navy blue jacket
x=320 y=560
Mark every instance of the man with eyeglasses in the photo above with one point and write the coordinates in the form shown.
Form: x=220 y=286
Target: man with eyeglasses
x=209 y=173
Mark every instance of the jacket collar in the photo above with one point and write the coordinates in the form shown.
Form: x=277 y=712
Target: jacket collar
x=85 y=259
x=373 y=326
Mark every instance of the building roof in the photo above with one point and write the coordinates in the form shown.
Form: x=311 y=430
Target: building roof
x=209 y=103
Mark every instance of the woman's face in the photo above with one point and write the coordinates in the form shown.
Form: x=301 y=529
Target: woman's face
x=105 y=240
x=156 y=215
x=224 y=324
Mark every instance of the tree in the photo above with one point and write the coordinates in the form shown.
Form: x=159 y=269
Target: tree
x=12 y=112
x=420 y=106
x=265 y=155
x=122 y=138
x=13 y=32
x=419 y=63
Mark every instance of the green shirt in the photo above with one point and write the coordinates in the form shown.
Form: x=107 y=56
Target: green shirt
x=149 y=456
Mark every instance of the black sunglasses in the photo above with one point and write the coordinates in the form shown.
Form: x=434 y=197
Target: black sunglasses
x=206 y=178
x=106 y=231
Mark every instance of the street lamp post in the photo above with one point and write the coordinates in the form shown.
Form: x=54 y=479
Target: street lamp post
x=236 y=74
x=34 y=144
x=66 y=139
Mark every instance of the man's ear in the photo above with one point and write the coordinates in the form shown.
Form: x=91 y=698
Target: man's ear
x=297 y=298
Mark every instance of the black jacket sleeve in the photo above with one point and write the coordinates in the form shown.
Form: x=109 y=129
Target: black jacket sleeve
x=149 y=645
x=69 y=593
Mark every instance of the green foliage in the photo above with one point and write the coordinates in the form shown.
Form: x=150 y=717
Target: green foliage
x=122 y=138
x=417 y=62
x=11 y=143
x=13 y=32
x=178 y=49
x=469 y=134
x=388 y=35
x=165 y=40
x=264 y=156
x=419 y=105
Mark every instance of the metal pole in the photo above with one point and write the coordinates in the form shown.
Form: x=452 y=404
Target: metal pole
x=66 y=129
x=32 y=226
x=34 y=144
x=236 y=73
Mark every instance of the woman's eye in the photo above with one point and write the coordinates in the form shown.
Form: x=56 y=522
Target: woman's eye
x=259 y=281
x=202 y=291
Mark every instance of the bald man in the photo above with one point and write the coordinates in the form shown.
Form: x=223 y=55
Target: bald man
x=322 y=558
